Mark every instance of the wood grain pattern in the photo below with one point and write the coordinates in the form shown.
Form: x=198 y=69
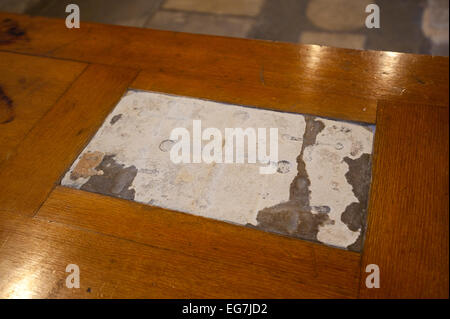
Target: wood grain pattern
x=409 y=209
x=130 y=250
x=34 y=255
x=319 y=268
x=32 y=86
x=56 y=140
x=261 y=73
x=258 y=95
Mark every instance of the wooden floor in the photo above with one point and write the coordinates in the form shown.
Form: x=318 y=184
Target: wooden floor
x=57 y=87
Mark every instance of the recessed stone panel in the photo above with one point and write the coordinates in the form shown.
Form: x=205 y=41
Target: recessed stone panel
x=316 y=189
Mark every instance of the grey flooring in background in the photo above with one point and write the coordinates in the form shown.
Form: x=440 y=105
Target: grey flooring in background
x=413 y=26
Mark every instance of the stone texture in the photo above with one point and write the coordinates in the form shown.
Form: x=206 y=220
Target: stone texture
x=340 y=40
x=237 y=7
x=200 y=23
x=318 y=190
x=128 y=13
x=441 y=49
x=16 y=6
x=338 y=15
x=281 y=21
x=435 y=22
x=400 y=29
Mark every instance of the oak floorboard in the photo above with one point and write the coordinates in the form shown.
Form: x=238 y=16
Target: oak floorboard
x=34 y=255
x=334 y=270
x=56 y=140
x=408 y=219
x=29 y=87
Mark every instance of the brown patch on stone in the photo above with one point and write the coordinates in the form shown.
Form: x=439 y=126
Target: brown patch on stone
x=359 y=176
x=10 y=31
x=86 y=165
x=115 y=180
x=294 y=217
x=278 y=219
x=7 y=113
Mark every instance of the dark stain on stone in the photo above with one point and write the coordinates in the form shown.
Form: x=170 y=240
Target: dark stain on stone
x=283 y=167
x=115 y=119
x=10 y=31
x=359 y=176
x=322 y=209
x=294 y=217
x=358 y=244
x=279 y=219
x=288 y=219
x=115 y=180
x=7 y=113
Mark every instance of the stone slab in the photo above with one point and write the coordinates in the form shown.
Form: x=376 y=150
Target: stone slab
x=236 y=7
x=200 y=23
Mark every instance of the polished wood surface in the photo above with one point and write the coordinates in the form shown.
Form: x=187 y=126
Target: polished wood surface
x=408 y=221
x=34 y=255
x=51 y=146
x=32 y=85
x=125 y=249
x=344 y=83
x=308 y=269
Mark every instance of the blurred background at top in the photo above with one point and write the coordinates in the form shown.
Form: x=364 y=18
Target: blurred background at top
x=413 y=26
